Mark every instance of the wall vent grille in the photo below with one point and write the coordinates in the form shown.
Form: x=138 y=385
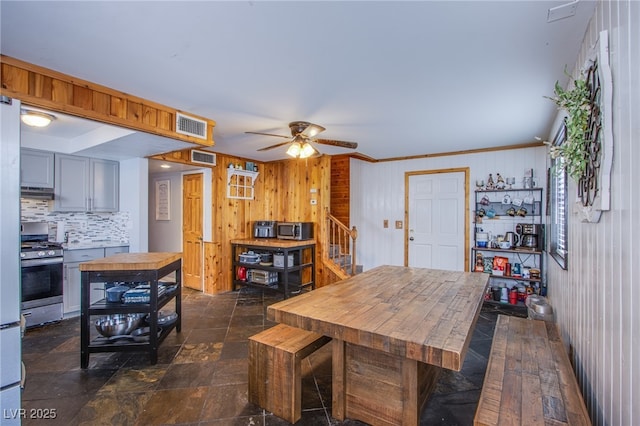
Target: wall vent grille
x=202 y=157
x=191 y=126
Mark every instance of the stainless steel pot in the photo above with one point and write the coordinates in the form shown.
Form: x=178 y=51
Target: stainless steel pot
x=114 y=294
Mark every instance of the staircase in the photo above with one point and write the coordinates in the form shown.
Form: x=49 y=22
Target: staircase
x=340 y=253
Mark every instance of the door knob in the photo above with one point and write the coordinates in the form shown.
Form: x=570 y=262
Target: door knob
x=411 y=238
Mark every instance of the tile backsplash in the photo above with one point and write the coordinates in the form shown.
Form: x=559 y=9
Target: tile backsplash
x=82 y=227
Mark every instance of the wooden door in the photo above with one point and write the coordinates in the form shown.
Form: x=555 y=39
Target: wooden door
x=436 y=218
x=192 y=220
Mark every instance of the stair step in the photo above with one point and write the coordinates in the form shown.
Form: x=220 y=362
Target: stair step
x=358 y=269
x=342 y=259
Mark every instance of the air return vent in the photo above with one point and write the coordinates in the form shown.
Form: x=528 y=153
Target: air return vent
x=202 y=157
x=191 y=126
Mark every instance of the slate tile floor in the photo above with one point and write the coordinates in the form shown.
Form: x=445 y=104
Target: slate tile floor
x=201 y=374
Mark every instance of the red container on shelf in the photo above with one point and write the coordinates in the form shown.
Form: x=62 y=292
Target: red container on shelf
x=513 y=296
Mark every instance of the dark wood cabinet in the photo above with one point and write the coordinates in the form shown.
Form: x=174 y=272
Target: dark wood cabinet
x=291 y=270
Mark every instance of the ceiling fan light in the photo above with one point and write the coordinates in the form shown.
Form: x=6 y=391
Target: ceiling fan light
x=312 y=130
x=36 y=118
x=307 y=150
x=294 y=150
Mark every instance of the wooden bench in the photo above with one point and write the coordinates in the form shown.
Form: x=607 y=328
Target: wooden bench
x=529 y=380
x=275 y=372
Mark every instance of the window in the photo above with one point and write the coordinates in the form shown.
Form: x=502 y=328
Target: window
x=558 y=204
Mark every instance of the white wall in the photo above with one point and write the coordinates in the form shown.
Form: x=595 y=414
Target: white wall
x=166 y=235
x=134 y=175
x=597 y=300
x=377 y=193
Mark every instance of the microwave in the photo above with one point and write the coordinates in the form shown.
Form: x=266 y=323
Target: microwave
x=294 y=230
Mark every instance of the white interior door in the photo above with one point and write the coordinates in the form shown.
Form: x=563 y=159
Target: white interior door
x=436 y=221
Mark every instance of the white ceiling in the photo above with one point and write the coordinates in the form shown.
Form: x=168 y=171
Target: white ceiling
x=399 y=78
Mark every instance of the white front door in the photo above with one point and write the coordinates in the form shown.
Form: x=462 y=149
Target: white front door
x=436 y=218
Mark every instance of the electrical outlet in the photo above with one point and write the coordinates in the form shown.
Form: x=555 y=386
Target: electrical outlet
x=385 y=223
x=398 y=224
x=314 y=202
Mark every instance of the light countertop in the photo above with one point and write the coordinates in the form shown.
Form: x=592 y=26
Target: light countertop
x=80 y=245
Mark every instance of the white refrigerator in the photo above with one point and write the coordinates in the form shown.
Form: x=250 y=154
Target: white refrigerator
x=10 y=333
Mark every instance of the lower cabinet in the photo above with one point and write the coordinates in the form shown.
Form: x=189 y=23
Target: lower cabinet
x=71 y=284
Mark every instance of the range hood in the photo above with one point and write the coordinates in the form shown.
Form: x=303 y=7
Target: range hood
x=37 y=193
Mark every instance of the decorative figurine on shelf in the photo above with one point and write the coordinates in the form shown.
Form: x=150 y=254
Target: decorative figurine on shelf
x=500 y=182
x=490 y=184
x=479 y=262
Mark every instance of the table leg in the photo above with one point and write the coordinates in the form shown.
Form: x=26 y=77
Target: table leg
x=338 y=379
x=377 y=387
x=418 y=381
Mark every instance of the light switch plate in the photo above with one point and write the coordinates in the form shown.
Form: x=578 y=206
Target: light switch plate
x=398 y=224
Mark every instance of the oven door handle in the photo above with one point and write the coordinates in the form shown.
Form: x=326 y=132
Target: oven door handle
x=39 y=262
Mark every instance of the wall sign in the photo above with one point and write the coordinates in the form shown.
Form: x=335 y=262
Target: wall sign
x=595 y=184
x=163 y=200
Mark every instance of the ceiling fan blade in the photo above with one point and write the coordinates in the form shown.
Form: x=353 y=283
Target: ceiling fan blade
x=268 y=134
x=341 y=144
x=311 y=130
x=274 y=146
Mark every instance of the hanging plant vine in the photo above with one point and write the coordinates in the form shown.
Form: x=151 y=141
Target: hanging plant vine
x=574 y=151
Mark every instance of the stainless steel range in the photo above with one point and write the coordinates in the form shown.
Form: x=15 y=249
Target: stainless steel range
x=41 y=270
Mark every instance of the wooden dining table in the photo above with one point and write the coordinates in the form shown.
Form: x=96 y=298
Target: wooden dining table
x=394 y=329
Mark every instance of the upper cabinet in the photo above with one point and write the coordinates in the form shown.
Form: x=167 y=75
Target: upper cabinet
x=86 y=184
x=36 y=168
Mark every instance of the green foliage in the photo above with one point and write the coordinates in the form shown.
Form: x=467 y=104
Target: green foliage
x=574 y=150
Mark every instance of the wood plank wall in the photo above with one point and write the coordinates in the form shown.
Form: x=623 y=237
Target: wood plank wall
x=596 y=300
x=282 y=193
x=44 y=88
x=340 y=188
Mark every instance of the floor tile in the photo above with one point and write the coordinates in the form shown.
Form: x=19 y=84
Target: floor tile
x=201 y=375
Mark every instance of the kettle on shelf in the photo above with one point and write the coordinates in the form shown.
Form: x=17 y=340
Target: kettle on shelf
x=512 y=238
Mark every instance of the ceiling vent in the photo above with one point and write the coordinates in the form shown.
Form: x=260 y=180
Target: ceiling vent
x=191 y=126
x=203 y=157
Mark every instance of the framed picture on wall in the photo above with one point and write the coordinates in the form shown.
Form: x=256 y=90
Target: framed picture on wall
x=163 y=198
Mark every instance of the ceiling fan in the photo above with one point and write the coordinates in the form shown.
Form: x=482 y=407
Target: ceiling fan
x=302 y=135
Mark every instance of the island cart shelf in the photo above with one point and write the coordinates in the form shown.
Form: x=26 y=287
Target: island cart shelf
x=295 y=272
x=149 y=268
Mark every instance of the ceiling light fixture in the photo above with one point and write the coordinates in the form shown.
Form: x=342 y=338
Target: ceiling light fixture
x=294 y=150
x=36 y=118
x=301 y=148
x=307 y=150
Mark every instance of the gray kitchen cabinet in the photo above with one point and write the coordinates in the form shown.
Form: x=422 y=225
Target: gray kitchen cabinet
x=72 y=278
x=36 y=168
x=86 y=184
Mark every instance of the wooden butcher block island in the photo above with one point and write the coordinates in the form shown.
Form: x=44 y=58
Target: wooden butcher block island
x=142 y=268
x=393 y=328
x=131 y=262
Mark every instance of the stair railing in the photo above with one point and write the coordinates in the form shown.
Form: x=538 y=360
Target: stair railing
x=340 y=245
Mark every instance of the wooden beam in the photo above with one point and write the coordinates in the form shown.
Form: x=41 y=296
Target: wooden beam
x=54 y=91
